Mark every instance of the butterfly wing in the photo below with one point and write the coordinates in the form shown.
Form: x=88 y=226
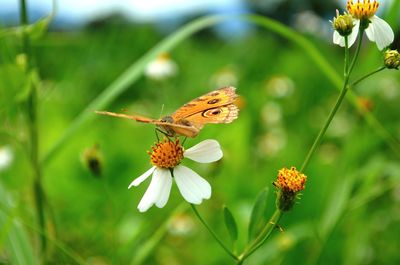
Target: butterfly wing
x=217 y=98
x=214 y=107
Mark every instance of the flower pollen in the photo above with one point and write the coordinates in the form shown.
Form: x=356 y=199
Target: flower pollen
x=362 y=10
x=166 y=154
x=290 y=180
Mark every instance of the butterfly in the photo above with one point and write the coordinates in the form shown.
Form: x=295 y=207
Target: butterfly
x=214 y=107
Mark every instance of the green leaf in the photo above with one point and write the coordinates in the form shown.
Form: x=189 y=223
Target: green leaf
x=32 y=82
x=39 y=28
x=230 y=224
x=13 y=235
x=257 y=213
x=12 y=81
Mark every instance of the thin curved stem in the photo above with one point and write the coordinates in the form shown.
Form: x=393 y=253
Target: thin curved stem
x=324 y=128
x=367 y=75
x=359 y=41
x=214 y=235
x=347 y=71
x=339 y=100
x=262 y=237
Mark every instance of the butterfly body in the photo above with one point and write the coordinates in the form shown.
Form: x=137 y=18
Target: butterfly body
x=214 y=107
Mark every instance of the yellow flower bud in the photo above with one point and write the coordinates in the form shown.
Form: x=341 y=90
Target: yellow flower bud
x=343 y=24
x=392 y=59
x=289 y=183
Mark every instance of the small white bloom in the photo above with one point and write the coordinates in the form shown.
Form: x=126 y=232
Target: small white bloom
x=227 y=76
x=166 y=158
x=280 y=86
x=161 y=68
x=377 y=30
x=6 y=157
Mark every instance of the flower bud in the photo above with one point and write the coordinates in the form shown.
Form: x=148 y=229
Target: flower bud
x=92 y=158
x=289 y=183
x=392 y=59
x=343 y=24
x=22 y=61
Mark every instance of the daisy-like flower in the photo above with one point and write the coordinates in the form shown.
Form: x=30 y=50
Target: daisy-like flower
x=166 y=158
x=377 y=30
x=161 y=68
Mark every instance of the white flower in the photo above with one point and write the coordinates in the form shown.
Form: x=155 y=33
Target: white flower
x=166 y=158
x=377 y=29
x=161 y=68
x=6 y=157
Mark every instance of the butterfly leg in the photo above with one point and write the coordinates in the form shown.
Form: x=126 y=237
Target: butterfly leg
x=156 y=133
x=184 y=140
x=158 y=130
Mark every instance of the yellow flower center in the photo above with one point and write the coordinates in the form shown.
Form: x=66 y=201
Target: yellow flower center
x=362 y=10
x=163 y=57
x=166 y=154
x=290 y=180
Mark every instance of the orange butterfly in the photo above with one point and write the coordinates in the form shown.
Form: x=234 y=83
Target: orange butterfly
x=214 y=107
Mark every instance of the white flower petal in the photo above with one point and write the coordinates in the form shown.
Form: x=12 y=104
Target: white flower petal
x=165 y=183
x=370 y=32
x=339 y=39
x=192 y=187
x=380 y=32
x=205 y=152
x=152 y=194
x=142 y=178
x=354 y=33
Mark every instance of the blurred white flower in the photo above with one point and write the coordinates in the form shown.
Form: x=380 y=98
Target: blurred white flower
x=166 y=157
x=388 y=87
x=225 y=77
x=181 y=225
x=271 y=114
x=272 y=143
x=341 y=125
x=310 y=22
x=377 y=29
x=161 y=68
x=6 y=157
x=279 y=86
x=328 y=153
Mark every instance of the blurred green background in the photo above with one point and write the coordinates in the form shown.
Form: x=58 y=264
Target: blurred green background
x=348 y=214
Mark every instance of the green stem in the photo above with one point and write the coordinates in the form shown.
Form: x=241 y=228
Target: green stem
x=346 y=56
x=345 y=88
x=215 y=236
x=33 y=131
x=328 y=121
x=359 y=41
x=324 y=128
x=262 y=237
x=367 y=75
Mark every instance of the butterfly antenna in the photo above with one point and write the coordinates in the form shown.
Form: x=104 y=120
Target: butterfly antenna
x=162 y=110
